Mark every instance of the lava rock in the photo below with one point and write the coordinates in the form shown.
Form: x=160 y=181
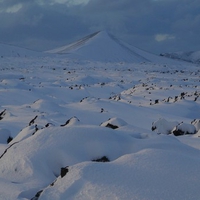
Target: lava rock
x=64 y=171
x=184 y=129
x=102 y=159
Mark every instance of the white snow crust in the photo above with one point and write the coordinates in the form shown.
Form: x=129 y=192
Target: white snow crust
x=81 y=119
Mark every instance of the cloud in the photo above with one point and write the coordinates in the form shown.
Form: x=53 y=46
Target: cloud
x=68 y=3
x=163 y=37
x=13 y=9
x=156 y=26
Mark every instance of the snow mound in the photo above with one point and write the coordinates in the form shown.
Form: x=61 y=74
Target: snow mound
x=25 y=133
x=72 y=122
x=183 y=129
x=45 y=106
x=162 y=126
x=114 y=123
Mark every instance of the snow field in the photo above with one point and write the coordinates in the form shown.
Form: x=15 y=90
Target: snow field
x=82 y=124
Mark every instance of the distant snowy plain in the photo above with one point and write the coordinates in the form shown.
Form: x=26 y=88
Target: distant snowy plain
x=88 y=129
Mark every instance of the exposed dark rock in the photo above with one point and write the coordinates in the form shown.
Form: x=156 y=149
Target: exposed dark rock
x=102 y=159
x=9 y=139
x=111 y=126
x=64 y=171
x=184 y=129
x=175 y=98
x=52 y=184
x=193 y=121
x=182 y=95
x=48 y=124
x=114 y=123
x=83 y=99
x=69 y=120
x=7 y=149
x=36 y=129
x=168 y=99
x=2 y=114
x=36 y=197
x=178 y=132
x=33 y=120
x=156 y=101
x=116 y=97
x=195 y=99
x=196 y=123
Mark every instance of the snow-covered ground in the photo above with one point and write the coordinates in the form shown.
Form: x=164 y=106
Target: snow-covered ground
x=78 y=128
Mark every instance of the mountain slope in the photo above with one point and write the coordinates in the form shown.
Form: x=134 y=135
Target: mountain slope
x=191 y=56
x=72 y=46
x=7 y=50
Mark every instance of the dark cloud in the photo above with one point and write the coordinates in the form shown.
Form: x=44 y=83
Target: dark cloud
x=153 y=25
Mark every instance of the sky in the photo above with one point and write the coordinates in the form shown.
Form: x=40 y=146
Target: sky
x=157 y=26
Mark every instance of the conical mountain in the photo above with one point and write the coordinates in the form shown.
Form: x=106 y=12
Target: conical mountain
x=103 y=47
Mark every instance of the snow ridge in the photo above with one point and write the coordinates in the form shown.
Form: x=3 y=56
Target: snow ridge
x=75 y=45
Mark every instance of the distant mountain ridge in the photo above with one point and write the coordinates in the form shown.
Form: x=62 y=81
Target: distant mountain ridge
x=190 y=56
x=7 y=50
